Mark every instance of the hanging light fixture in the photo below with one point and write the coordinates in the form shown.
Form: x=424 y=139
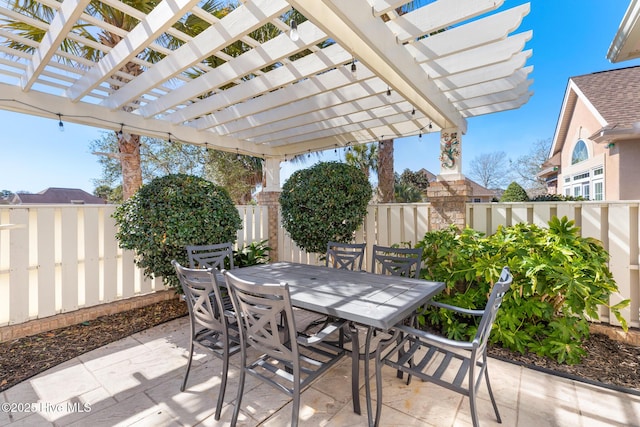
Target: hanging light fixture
x=237 y=154
x=354 y=69
x=120 y=132
x=413 y=112
x=293 y=31
x=170 y=138
x=60 y=124
x=388 y=91
x=430 y=125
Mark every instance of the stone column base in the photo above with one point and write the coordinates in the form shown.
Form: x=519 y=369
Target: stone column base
x=448 y=201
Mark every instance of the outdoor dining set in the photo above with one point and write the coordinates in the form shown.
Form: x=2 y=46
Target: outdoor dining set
x=251 y=311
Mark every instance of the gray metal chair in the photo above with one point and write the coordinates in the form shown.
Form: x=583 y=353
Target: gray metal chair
x=348 y=256
x=217 y=256
x=429 y=356
x=405 y=262
x=212 y=327
x=290 y=361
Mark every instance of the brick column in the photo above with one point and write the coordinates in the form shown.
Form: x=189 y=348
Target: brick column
x=270 y=197
x=448 y=201
x=271 y=200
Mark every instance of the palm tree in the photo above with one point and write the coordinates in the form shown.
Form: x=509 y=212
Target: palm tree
x=363 y=156
x=129 y=145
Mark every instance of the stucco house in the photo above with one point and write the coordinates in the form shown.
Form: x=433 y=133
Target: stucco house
x=596 y=146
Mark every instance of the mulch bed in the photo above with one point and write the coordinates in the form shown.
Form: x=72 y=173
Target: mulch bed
x=611 y=363
x=25 y=357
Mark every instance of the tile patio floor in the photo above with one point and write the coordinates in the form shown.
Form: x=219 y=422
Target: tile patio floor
x=136 y=382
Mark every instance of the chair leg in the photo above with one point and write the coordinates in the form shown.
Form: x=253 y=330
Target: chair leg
x=186 y=375
x=236 y=410
x=295 y=413
x=493 y=400
x=223 y=383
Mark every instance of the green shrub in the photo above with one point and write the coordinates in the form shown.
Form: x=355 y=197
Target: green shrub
x=326 y=202
x=169 y=213
x=514 y=193
x=252 y=254
x=560 y=279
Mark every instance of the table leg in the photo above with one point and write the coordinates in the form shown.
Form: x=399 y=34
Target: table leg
x=355 y=368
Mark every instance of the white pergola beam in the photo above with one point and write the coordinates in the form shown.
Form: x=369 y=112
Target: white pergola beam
x=353 y=28
x=61 y=24
x=437 y=16
x=159 y=19
x=281 y=76
x=239 y=22
x=272 y=51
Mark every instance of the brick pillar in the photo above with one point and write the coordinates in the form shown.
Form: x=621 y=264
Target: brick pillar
x=448 y=201
x=271 y=200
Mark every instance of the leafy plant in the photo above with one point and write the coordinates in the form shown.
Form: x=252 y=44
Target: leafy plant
x=252 y=254
x=560 y=279
x=169 y=213
x=514 y=193
x=326 y=202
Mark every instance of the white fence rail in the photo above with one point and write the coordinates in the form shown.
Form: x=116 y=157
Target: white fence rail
x=56 y=259
x=59 y=258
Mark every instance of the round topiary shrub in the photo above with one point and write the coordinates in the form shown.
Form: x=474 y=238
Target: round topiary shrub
x=514 y=193
x=326 y=202
x=169 y=213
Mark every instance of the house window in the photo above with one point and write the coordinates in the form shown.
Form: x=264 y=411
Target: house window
x=598 y=190
x=580 y=153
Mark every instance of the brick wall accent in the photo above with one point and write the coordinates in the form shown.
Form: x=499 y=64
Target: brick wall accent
x=45 y=324
x=448 y=203
x=271 y=199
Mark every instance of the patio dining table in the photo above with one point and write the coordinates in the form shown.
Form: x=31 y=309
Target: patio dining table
x=373 y=301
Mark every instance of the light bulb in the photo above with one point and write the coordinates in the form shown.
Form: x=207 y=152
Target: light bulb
x=293 y=33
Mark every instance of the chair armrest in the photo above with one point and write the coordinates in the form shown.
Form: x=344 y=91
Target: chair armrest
x=435 y=339
x=320 y=335
x=457 y=309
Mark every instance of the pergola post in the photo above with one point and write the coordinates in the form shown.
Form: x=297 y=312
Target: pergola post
x=449 y=194
x=270 y=197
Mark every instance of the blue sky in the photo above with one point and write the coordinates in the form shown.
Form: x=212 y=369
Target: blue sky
x=570 y=38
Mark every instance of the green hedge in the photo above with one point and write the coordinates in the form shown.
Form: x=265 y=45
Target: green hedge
x=169 y=213
x=326 y=202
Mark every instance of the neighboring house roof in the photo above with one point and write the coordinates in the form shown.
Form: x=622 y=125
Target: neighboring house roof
x=58 y=195
x=478 y=190
x=612 y=96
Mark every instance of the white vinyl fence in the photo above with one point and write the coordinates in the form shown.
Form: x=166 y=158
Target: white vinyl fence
x=59 y=258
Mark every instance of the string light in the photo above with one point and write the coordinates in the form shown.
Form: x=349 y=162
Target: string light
x=237 y=154
x=60 y=124
x=430 y=125
x=413 y=112
x=120 y=133
x=170 y=138
x=388 y=91
x=293 y=32
x=354 y=69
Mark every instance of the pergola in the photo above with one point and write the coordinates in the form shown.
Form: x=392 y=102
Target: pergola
x=357 y=71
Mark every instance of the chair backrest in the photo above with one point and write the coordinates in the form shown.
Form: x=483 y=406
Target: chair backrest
x=198 y=285
x=405 y=262
x=493 y=304
x=262 y=310
x=210 y=256
x=348 y=256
